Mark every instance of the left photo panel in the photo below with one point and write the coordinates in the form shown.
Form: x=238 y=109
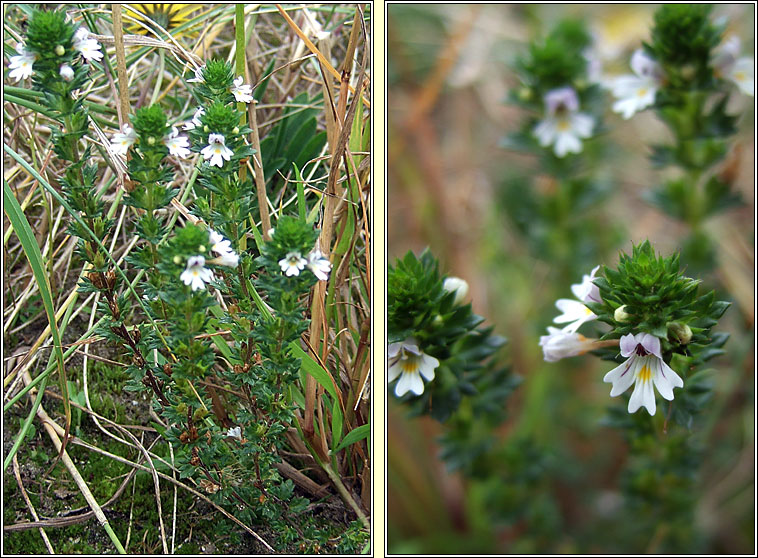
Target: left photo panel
x=187 y=279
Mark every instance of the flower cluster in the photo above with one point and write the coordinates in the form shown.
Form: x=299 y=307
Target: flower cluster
x=196 y=275
x=654 y=313
x=177 y=145
x=22 y=64
x=293 y=263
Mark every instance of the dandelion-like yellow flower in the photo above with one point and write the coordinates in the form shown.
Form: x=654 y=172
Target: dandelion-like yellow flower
x=167 y=16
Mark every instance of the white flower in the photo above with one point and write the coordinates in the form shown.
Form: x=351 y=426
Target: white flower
x=223 y=247
x=575 y=313
x=235 y=432
x=636 y=92
x=21 y=64
x=587 y=291
x=410 y=363
x=196 y=274
x=458 y=286
x=66 y=72
x=177 y=145
x=216 y=150
x=195 y=122
x=741 y=71
x=123 y=140
x=242 y=93
x=319 y=265
x=558 y=344
x=644 y=367
x=89 y=48
x=292 y=264
x=563 y=126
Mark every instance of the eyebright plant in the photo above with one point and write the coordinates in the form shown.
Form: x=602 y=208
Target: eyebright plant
x=687 y=74
x=441 y=358
x=663 y=327
x=227 y=401
x=563 y=100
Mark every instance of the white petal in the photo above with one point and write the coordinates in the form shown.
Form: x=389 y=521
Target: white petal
x=642 y=396
x=567 y=142
x=622 y=376
x=427 y=365
x=582 y=124
x=545 y=132
x=394 y=371
x=650 y=343
x=666 y=380
x=409 y=381
x=628 y=345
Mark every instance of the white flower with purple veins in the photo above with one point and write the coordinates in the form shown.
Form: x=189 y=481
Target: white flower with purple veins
x=242 y=93
x=66 y=72
x=409 y=363
x=563 y=126
x=292 y=264
x=235 y=432
x=89 y=48
x=177 y=145
x=644 y=368
x=636 y=92
x=216 y=150
x=21 y=64
x=558 y=344
x=319 y=265
x=741 y=71
x=123 y=140
x=195 y=122
x=196 y=275
x=575 y=313
x=223 y=247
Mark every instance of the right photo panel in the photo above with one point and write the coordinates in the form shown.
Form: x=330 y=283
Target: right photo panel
x=570 y=281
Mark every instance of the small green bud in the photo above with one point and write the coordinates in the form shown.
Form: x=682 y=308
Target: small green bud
x=525 y=94
x=438 y=320
x=177 y=260
x=151 y=140
x=59 y=50
x=181 y=408
x=260 y=430
x=206 y=128
x=199 y=414
x=236 y=130
x=620 y=315
x=680 y=332
x=201 y=248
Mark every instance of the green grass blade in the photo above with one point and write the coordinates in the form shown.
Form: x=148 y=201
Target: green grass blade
x=31 y=250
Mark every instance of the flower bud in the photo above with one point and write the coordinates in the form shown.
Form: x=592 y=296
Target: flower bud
x=235 y=130
x=151 y=140
x=59 y=50
x=177 y=260
x=66 y=72
x=201 y=248
x=680 y=332
x=206 y=128
x=620 y=315
x=458 y=286
x=525 y=94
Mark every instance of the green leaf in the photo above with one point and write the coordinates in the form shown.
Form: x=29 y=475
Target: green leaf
x=355 y=435
x=31 y=250
x=316 y=370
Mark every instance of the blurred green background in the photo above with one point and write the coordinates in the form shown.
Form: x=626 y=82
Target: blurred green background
x=450 y=70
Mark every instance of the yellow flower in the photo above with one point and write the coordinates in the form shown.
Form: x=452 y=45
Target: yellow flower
x=153 y=16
